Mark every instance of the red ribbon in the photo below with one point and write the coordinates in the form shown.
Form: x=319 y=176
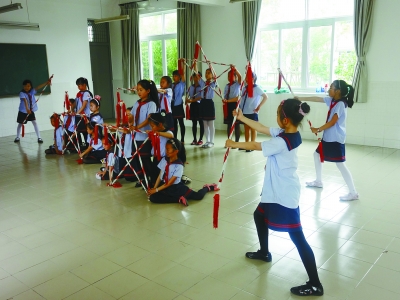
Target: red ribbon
x=232 y=75
x=279 y=81
x=154 y=138
x=180 y=66
x=106 y=142
x=124 y=114
x=225 y=109
x=23 y=130
x=216 y=210
x=96 y=134
x=249 y=76
x=118 y=112
x=187 y=112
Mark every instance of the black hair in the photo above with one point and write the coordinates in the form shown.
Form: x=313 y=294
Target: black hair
x=346 y=91
x=129 y=108
x=26 y=81
x=91 y=125
x=176 y=72
x=110 y=139
x=158 y=118
x=176 y=144
x=198 y=73
x=95 y=101
x=150 y=85
x=82 y=80
x=293 y=109
x=71 y=100
x=168 y=79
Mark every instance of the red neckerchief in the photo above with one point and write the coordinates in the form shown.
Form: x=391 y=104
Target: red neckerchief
x=141 y=103
x=154 y=138
x=166 y=172
x=30 y=100
x=333 y=104
x=229 y=90
x=165 y=102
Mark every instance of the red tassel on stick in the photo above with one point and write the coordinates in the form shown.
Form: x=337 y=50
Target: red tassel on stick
x=279 y=81
x=187 y=112
x=67 y=104
x=118 y=112
x=106 y=141
x=115 y=185
x=249 y=77
x=225 y=109
x=321 y=151
x=215 y=211
x=79 y=161
x=180 y=66
x=232 y=75
x=96 y=134
x=23 y=130
x=118 y=97
x=124 y=114
x=196 y=51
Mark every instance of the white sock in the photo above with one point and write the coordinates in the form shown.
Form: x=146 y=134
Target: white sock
x=318 y=166
x=347 y=176
x=36 y=128
x=212 y=130
x=19 y=129
x=206 y=131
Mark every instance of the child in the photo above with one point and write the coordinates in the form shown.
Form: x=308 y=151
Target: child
x=27 y=107
x=171 y=170
x=57 y=147
x=108 y=172
x=250 y=107
x=178 y=89
x=231 y=92
x=340 y=97
x=146 y=105
x=194 y=97
x=165 y=97
x=83 y=98
x=95 y=151
x=94 y=106
x=279 y=207
x=69 y=126
x=207 y=108
x=156 y=122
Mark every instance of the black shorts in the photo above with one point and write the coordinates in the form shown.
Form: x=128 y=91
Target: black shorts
x=22 y=119
x=178 y=112
x=231 y=108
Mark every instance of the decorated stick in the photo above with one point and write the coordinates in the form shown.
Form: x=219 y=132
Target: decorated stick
x=321 y=153
x=283 y=77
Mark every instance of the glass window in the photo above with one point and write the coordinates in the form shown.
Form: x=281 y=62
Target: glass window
x=344 y=56
x=319 y=56
x=291 y=55
x=172 y=56
x=322 y=9
x=144 y=49
x=279 y=11
x=151 y=25
x=269 y=47
x=157 y=63
x=170 y=25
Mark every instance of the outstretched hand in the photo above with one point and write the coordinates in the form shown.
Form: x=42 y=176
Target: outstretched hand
x=229 y=143
x=238 y=114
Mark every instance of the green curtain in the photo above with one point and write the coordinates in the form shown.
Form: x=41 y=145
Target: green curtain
x=362 y=22
x=130 y=45
x=250 y=14
x=188 y=29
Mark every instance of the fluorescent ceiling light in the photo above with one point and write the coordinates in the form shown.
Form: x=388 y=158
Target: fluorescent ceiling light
x=117 y=18
x=236 y=1
x=10 y=7
x=19 y=25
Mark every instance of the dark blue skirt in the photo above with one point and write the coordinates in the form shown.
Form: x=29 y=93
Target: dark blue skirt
x=280 y=218
x=333 y=151
x=253 y=117
x=194 y=111
x=207 y=109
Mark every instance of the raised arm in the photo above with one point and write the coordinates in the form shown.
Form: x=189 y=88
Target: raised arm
x=183 y=76
x=239 y=76
x=43 y=84
x=310 y=99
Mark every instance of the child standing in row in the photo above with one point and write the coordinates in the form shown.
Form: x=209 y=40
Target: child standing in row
x=165 y=97
x=194 y=97
x=168 y=187
x=27 y=108
x=58 y=146
x=231 y=94
x=83 y=98
x=69 y=126
x=279 y=207
x=333 y=140
x=178 y=90
x=250 y=107
x=95 y=115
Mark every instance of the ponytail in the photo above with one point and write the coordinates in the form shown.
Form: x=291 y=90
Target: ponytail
x=346 y=91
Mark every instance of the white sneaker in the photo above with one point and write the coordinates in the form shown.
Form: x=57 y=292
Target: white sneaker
x=349 y=197
x=205 y=145
x=315 y=183
x=98 y=176
x=210 y=145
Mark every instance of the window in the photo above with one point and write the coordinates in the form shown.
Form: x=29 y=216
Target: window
x=312 y=41
x=158 y=45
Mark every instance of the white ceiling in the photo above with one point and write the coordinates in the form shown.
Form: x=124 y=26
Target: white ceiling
x=158 y=3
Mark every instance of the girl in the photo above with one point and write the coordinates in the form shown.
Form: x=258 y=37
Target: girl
x=69 y=126
x=194 y=97
x=94 y=106
x=250 y=107
x=279 y=207
x=340 y=97
x=27 y=108
x=57 y=147
x=172 y=190
x=165 y=97
x=108 y=172
x=95 y=151
x=231 y=92
x=156 y=122
x=178 y=89
x=146 y=105
x=83 y=97
x=207 y=108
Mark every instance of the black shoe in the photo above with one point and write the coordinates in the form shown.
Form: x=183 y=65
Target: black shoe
x=241 y=149
x=307 y=290
x=138 y=185
x=249 y=150
x=40 y=141
x=16 y=140
x=259 y=255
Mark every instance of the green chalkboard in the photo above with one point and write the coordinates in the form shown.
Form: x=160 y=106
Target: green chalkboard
x=19 y=62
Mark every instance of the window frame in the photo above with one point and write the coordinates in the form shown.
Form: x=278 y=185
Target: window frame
x=305 y=25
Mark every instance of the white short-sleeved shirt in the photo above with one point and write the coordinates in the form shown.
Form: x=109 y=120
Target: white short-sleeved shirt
x=97 y=118
x=208 y=92
x=110 y=159
x=148 y=108
x=194 y=92
x=83 y=96
x=167 y=100
x=163 y=142
x=125 y=139
x=59 y=141
x=178 y=90
x=281 y=183
x=249 y=104
x=30 y=97
x=71 y=126
x=95 y=147
x=233 y=90
x=175 y=169
x=336 y=133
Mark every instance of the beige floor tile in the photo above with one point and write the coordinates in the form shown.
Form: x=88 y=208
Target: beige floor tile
x=60 y=287
x=321 y=255
x=153 y=242
x=104 y=245
x=74 y=258
x=178 y=251
x=38 y=239
x=22 y=261
x=151 y=266
x=120 y=283
x=96 y=270
x=325 y=241
x=372 y=238
x=210 y=288
x=384 y=278
x=90 y=293
x=126 y=255
x=150 y=290
x=39 y=273
x=3 y=274
x=205 y=262
x=336 y=285
x=245 y=296
x=269 y=286
x=369 y=291
x=347 y=266
x=55 y=248
x=360 y=251
x=394 y=245
x=288 y=269
x=176 y=230
x=10 y=287
x=30 y=294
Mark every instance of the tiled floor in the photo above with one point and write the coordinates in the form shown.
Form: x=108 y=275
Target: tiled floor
x=65 y=235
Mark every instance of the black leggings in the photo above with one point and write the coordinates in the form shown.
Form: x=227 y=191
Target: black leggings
x=304 y=249
x=182 y=126
x=163 y=197
x=194 y=129
x=237 y=131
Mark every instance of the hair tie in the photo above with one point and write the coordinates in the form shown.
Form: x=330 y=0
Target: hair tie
x=301 y=111
x=97 y=97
